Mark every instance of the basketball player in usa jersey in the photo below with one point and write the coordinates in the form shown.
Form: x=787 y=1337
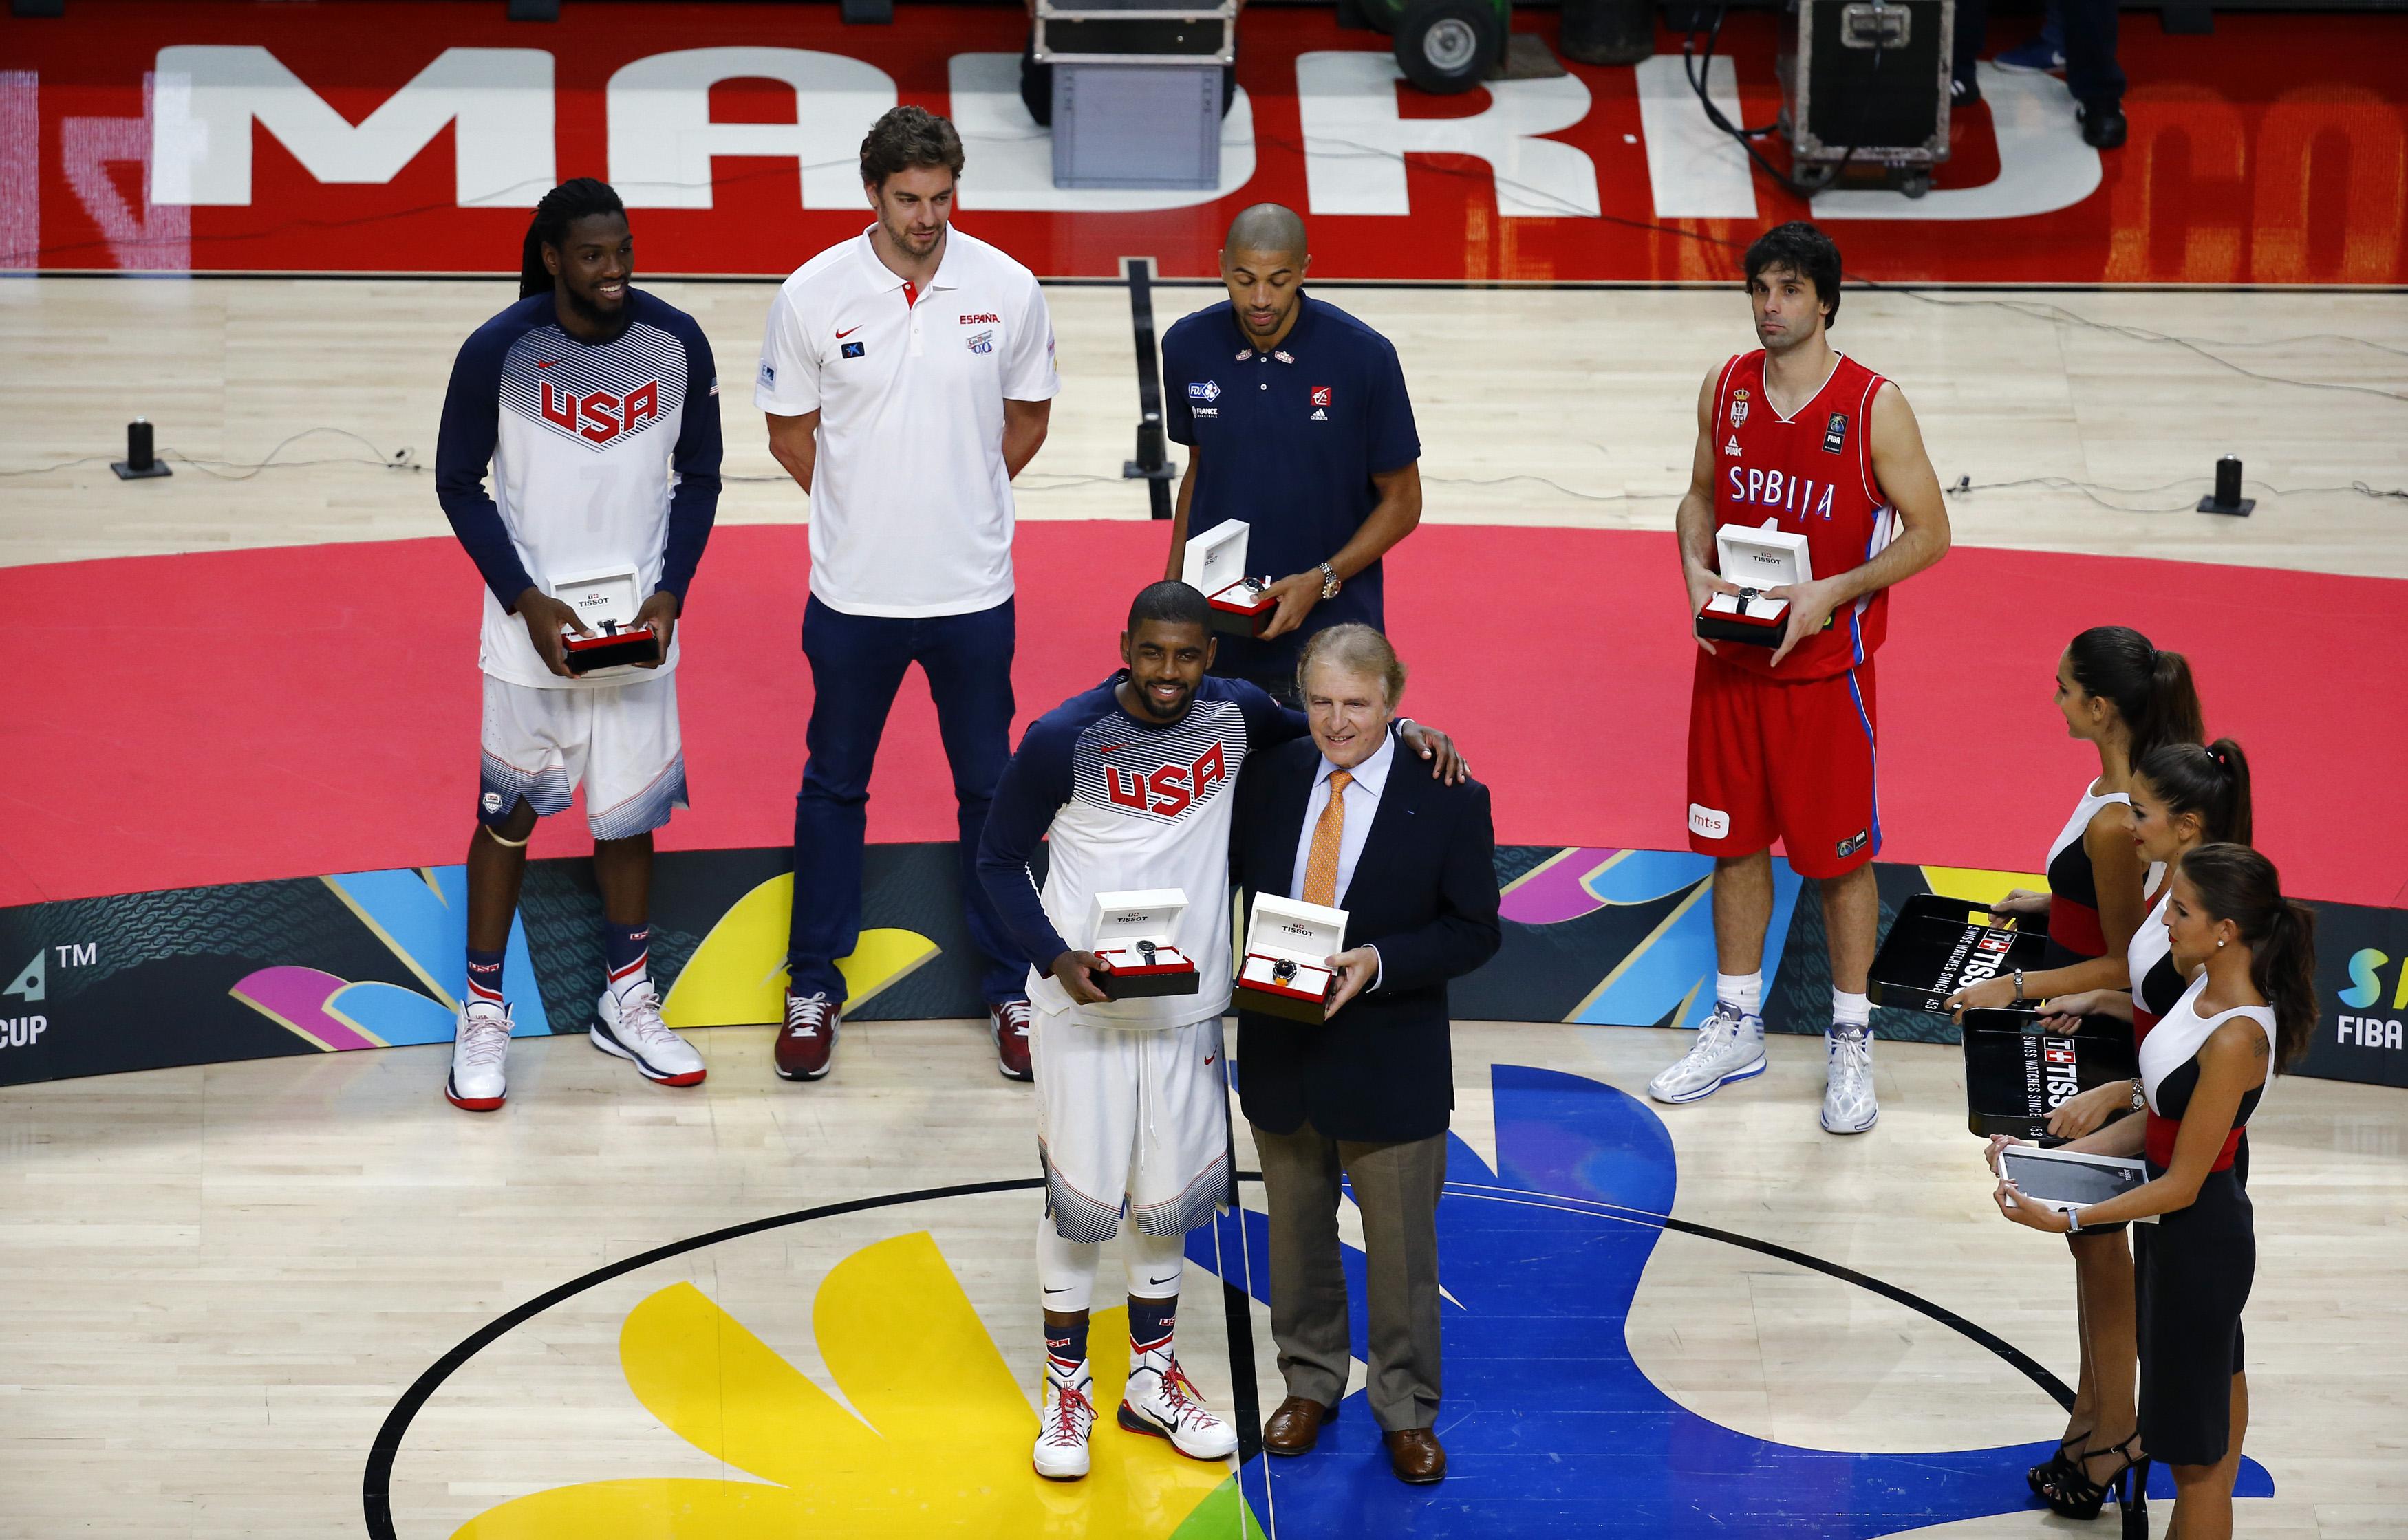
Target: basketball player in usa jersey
x=1781 y=737
x=592 y=408
x=1129 y=786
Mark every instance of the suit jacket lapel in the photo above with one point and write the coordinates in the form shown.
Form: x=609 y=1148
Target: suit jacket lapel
x=1396 y=802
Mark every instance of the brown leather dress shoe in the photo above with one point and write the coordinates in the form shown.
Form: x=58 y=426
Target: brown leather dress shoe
x=1416 y=1455
x=1295 y=1426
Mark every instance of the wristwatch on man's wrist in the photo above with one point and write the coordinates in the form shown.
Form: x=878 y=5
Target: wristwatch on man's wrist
x=1330 y=582
x=2140 y=1095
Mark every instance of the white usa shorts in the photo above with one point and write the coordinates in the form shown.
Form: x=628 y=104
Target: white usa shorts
x=1134 y=1116
x=619 y=741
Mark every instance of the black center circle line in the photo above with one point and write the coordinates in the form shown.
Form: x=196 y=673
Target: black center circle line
x=376 y=1488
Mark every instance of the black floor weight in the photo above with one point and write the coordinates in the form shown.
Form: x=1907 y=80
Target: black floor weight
x=1444 y=46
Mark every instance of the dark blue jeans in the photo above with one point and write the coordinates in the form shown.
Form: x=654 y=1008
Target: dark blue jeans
x=2091 y=72
x=857 y=663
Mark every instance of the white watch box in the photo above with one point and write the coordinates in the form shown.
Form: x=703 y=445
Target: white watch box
x=608 y=593
x=607 y=600
x=1284 y=972
x=1758 y=559
x=1215 y=566
x=1131 y=932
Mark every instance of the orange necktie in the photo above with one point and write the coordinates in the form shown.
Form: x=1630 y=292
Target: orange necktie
x=1321 y=862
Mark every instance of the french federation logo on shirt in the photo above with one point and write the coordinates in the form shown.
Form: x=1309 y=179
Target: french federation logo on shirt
x=1208 y=390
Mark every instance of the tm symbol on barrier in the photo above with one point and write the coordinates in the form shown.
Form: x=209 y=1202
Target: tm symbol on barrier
x=32 y=981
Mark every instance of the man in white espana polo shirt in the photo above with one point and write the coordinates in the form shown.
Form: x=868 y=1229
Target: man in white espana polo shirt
x=908 y=374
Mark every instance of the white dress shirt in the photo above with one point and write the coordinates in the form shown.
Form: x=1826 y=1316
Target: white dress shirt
x=1362 y=805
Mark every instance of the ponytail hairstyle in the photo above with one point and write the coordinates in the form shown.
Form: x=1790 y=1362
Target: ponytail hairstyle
x=2236 y=883
x=2213 y=782
x=2152 y=689
x=561 y=208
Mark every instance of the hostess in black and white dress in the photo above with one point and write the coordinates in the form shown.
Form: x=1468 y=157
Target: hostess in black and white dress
x=2196 y=1264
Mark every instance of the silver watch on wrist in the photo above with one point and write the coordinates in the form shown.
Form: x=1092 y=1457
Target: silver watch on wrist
x=2140 y=1095
x=1329 y=581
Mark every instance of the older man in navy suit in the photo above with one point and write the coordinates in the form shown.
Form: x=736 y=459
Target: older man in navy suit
x=1368 y=1093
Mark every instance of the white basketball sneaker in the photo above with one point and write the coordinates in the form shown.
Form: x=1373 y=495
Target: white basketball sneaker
x=1848 y=1104
x=1069 y=1414
x=632 y=1028
x=480 y=1048
x=1730 y=1046
x=1161 y=1400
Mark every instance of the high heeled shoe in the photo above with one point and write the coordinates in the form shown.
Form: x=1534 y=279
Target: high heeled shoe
x=2058 y=1464
x=2076 y=1496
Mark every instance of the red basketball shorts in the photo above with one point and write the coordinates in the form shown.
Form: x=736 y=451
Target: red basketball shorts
x=1789 y=760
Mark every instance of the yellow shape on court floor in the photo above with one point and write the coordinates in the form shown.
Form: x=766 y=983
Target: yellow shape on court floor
x=738 y=975
x=941 y=1444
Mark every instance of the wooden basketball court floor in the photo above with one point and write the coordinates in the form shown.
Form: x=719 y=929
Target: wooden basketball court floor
x=226 y=1283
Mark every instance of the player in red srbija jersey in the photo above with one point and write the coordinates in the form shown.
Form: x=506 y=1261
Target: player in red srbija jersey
x=1781 y=738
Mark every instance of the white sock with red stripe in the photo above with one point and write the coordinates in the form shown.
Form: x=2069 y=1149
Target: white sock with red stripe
x=626 y=951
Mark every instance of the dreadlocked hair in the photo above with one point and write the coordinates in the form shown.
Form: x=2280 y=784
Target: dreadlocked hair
x=559 y=208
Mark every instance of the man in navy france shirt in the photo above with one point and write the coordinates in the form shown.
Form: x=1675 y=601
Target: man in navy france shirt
x=1296 y=420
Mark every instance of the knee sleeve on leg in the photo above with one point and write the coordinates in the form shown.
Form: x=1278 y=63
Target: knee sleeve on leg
x=1155 y=1264
x=1066 y=1270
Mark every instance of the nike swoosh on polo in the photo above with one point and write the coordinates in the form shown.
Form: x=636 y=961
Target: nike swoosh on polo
x=841 y=335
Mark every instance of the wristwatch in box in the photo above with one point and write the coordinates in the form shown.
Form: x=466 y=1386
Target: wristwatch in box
x=1127 y=929
x=1284 y=971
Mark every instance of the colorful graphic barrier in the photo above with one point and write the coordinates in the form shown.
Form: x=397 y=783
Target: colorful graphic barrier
x=375 y=959
x=387 y=135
